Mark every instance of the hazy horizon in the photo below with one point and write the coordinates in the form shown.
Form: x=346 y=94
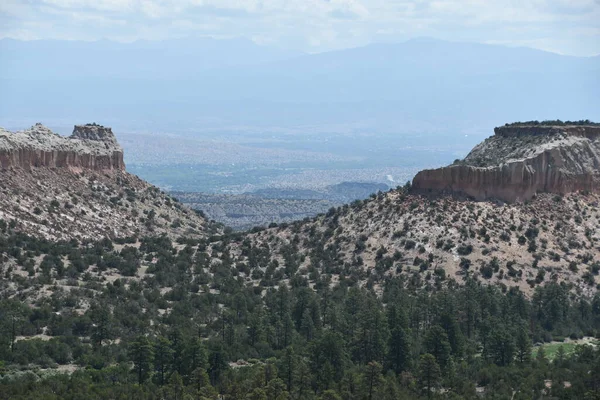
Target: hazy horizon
x=565 y=27
x=292 y=52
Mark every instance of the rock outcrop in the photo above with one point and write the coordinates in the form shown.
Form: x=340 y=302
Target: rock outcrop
x=90 y=146
x=520 y=161
x=76 y=187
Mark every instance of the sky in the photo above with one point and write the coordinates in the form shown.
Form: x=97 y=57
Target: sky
x=569 y=27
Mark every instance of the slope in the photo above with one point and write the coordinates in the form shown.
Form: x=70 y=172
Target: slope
x=77 y=188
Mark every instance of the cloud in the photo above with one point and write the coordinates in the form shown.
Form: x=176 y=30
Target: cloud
x=568 y=26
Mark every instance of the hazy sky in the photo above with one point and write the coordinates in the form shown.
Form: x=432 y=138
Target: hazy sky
x=563 y=26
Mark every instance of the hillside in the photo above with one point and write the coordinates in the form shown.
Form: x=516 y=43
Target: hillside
x=77 y=188
x=432 y=242
x=399 y=296
x=232 y=315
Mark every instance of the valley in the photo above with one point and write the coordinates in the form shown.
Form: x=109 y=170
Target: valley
x=272 y=206
x=299 y=200
x=112 y=288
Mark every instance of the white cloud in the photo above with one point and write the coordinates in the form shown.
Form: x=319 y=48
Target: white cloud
x=313 y=25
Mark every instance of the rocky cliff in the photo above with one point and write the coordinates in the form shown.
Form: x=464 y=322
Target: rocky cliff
x=521 y=160
x=76 y=187
x=90 y=146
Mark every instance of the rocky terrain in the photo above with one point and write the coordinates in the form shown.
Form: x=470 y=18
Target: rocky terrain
x=433 y=242
x=430 y=240
x=521 y=160
x=76 y=187
x=398 y=278
x=90 y=146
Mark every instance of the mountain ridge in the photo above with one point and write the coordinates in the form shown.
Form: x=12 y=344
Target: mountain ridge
x=371 y=85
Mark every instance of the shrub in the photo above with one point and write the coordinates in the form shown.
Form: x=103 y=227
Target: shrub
x=464 y=250
x=409 y=244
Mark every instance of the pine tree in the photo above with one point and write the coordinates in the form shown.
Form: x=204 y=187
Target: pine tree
x=455 y=336
x=330 y=395
x=175 y=388
x=276 y=390
x=199 y=378
x=255 y=328
x=429 y=373
x=196 y=356
x=178 y=349
x=288 y=330
x=398 y=356
x=102 y=320
x=559 y=359
x=436 y=344
x=302 y=378
x=216 y=364
x=501 y=348
x=540 y=356
x=371 y=333
x=141 y=353
x=162 y=358
x=372 y=378
x=523 y=346
x=303 y=298
x=307 y=326
x=287 y=367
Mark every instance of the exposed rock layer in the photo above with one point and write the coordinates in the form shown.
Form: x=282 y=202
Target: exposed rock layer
x=76 y=187
x=519 y=161
x=89 y=147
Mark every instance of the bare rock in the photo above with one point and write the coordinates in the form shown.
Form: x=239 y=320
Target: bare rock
x=520 y=161
x=94 y=132
x=90 y=146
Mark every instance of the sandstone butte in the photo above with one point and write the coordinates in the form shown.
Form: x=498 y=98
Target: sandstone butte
x=90 y=146
x=519 y=161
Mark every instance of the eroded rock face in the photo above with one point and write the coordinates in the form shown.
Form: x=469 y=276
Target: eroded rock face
x=89 y=147
x=519 y=161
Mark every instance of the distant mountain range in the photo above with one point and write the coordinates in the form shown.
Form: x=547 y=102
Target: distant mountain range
x=422 y=85
x=166 y=59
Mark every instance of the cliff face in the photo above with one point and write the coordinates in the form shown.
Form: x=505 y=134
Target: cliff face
x=89 y=147
x=519 y=161
x=76 y=187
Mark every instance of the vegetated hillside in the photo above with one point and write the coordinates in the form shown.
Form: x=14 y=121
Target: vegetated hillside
x=397 y=296
x=431 y=241
x=250 y=316
x=76 y=187
x=62 y=204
